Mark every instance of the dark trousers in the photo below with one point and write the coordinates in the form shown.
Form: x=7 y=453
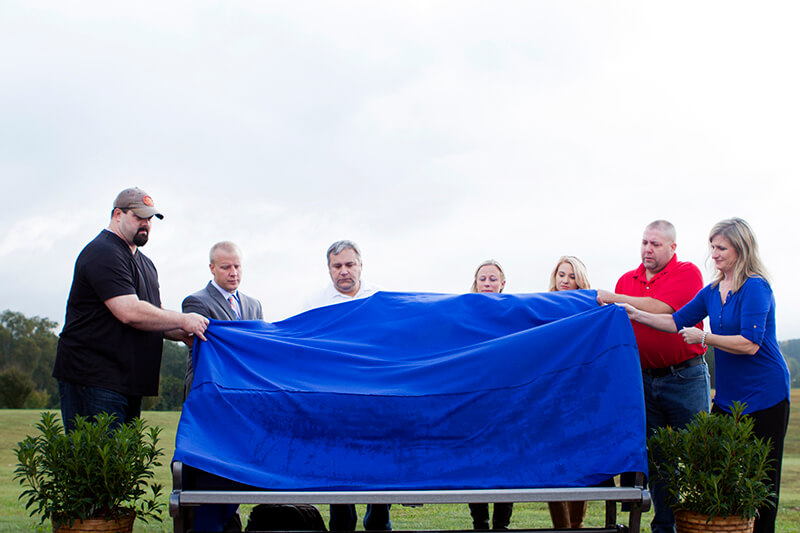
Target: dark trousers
x=344 y=517
x=90 y=401
x=500 y=519
x=212 y=516
x=770 y=423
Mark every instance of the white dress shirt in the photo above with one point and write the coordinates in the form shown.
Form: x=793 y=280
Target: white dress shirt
x=331 y=296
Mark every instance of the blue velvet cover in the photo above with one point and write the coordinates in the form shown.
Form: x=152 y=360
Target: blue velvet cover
x=420 y=391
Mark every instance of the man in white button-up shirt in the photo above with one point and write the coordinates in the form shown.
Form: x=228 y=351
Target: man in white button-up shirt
x=344 y=267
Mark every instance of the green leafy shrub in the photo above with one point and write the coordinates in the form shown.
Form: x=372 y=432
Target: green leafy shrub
x=714 y=466
x=93 y=471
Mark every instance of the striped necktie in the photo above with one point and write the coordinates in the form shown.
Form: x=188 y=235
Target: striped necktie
x=234 y=307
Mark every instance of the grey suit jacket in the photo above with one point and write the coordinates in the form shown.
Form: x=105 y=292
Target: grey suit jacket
x=210 y=303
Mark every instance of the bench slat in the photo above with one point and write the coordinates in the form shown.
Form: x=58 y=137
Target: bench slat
x=624 y=494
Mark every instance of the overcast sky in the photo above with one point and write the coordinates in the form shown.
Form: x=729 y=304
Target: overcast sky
x=434 y=134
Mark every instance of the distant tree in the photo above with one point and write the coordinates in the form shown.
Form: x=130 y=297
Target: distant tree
x=173 y=371
x=15 y=387
x=38 y=399
x=173 y=360
x=791 y=352
x=29 y=345
x=170 y=397
x=28 y=352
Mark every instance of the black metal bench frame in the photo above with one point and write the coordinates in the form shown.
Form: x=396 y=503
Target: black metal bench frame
x=182 y=500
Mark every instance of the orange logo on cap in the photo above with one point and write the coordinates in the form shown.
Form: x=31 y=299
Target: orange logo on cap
x=146 y=200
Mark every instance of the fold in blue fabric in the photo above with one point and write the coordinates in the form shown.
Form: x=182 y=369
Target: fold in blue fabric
x=407 y=391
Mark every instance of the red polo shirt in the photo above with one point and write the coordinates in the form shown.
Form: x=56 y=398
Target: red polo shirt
x=675 y=285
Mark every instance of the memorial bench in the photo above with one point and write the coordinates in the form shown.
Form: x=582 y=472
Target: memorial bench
x=182 y=499
x=414 y=392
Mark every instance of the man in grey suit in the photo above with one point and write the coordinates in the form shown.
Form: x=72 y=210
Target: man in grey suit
x=221 y=299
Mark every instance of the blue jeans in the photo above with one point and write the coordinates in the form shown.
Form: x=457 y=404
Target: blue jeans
x=90 y=401
x=344 y=517
x=672 y=400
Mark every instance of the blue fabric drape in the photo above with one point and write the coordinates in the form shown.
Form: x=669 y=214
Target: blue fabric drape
x=420 y=391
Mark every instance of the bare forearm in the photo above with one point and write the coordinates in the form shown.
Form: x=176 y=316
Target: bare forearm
x=730 y=343
x=659 y=321
x=643 y=303
x=139 y=314
x=145 y=316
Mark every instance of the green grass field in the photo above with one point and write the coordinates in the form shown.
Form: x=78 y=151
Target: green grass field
x=15 y=424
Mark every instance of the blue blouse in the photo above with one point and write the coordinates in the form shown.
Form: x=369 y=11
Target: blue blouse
x=760 y=380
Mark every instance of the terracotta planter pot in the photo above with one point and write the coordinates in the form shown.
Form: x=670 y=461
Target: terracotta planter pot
x=98 y=525
x=688 y=522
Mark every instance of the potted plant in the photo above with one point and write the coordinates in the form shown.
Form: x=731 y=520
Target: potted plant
x=714 y=470
x=96 y=477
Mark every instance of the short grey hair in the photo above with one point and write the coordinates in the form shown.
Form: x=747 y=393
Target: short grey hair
x=224 y=246
x=337 y=248
x=664 y=226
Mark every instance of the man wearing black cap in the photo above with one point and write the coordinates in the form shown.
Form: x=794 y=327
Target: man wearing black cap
x=109 y=352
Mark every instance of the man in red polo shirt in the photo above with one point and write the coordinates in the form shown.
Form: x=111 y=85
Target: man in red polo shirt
x=674 y=374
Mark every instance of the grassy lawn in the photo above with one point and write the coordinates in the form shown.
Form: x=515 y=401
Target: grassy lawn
x=15 y=424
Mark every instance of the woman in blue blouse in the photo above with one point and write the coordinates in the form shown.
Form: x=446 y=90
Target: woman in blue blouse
x=749 y=365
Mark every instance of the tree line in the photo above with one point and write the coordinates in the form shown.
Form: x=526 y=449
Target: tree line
x=28 y=352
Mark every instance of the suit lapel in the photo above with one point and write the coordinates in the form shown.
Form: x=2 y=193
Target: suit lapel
x=220 y=301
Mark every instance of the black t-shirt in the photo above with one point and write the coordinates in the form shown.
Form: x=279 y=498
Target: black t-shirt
x=96 y=349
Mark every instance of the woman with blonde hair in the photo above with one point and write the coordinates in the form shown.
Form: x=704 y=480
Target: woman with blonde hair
x=568 y=275
x=489 y=277
x=749 y=366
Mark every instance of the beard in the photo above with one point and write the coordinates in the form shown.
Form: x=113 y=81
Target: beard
x=140 y=239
